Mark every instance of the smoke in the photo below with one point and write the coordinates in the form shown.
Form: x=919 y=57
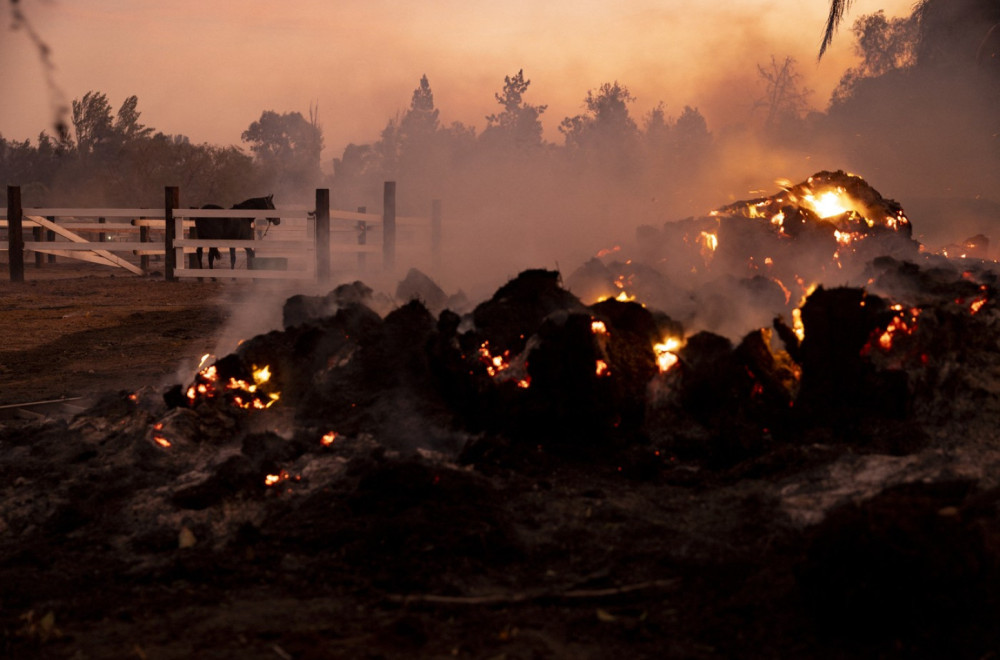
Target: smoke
x=926 y=137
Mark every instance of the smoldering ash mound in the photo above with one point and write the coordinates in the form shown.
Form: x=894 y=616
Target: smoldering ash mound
x=602 y=461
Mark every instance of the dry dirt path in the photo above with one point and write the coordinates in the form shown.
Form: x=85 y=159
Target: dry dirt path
x=70 y=331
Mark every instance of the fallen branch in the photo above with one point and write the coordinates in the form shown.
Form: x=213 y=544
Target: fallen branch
x=522 y=597
x=40 y=403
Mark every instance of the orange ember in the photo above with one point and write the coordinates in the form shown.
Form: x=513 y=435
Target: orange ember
x=242 y=393
x=899 y=325
x=494 y=363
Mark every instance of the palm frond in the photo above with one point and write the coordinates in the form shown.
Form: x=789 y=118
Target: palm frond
x=837 y=10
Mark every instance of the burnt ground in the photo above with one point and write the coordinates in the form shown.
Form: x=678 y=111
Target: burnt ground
x=869 y=539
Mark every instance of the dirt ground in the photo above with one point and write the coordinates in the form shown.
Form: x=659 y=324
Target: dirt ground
x=133 y=531
x=72 y=330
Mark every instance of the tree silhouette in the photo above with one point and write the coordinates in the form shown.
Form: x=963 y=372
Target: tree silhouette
x=421 y=120
x=884 y=45
x=287 y=147
x=785 y=98
x=607 y=123
x=518 y=124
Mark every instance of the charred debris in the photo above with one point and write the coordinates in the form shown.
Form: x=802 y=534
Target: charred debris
x=823 y=484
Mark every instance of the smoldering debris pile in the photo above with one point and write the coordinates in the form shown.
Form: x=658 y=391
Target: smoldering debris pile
x=744 y=262
x=597 y=476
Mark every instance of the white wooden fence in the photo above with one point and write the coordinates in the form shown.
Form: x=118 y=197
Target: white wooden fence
x=299 y=248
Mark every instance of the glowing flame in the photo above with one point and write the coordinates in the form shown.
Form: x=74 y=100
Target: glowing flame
x=623 y=296
x=977 y=305
x=328 y=438
x=262 y=375
x=829 y=204
x=598 y=328
x=602 y=369
x=844 y=237
x=784 y=289
x=605 y=252
x=709 y=240
x=242 y=393
x=666 y=353
x=797 y=327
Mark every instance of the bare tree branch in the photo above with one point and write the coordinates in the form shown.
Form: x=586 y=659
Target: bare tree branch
x=60 y=108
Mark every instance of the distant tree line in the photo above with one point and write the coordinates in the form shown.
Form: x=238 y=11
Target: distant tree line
x=112 y=158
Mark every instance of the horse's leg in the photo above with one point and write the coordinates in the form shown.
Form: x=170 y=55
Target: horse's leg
x=232 y=258
x=250 y=257
x=197 y=253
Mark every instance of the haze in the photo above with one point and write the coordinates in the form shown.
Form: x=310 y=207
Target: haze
x=207 y=69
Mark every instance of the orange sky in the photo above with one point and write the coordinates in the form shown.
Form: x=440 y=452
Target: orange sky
x=207 y=69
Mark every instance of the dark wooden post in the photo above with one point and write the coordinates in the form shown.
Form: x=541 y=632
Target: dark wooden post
x=50 y=237
x=322 y=234
x=144 y=238
x=171 y=201
x=436 y=231
x=362 y=239
x=389 y=226
x=15 y=239
x=101 y=236
x=38 y=235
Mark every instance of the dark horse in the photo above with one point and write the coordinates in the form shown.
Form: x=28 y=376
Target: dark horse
x=231 y=229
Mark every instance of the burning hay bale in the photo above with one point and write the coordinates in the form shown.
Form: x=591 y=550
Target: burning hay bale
x=518 y=308
x=839 y=383
x=301 y=309
x=824 y=229
x=418 y=286
x=844 y=202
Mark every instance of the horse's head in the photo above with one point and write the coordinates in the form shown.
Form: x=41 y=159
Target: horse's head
x=260 y=203
x=269 y=200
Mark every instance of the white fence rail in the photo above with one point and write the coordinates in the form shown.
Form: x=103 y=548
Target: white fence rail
x=299 y=247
